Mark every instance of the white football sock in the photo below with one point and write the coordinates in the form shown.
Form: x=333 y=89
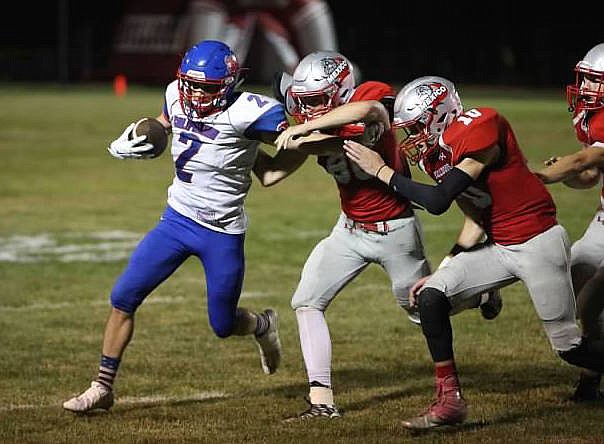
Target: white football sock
x=316 y=344
x=321 y=395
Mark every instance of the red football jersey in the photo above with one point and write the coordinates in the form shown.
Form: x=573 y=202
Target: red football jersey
x=520 y=206
x=363 y=197
x=589 y=128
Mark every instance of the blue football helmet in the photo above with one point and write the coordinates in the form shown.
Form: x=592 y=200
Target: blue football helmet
x=207 y=76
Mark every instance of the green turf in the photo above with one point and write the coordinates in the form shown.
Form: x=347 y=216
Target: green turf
x=59 y=185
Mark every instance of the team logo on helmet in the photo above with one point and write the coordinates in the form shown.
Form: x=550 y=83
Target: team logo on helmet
x=431 y=94
x=231 y=64
x=335 y=70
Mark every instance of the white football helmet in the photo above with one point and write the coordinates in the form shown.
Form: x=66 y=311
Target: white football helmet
x=423 y=108
x=587 y=93
x=322 y=80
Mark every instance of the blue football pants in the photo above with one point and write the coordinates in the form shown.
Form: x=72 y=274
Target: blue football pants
x=166 y=247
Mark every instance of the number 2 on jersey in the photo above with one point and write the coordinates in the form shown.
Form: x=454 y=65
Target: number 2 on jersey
x=186 y=155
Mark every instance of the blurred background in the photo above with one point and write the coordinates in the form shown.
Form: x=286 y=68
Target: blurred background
x=490 y=43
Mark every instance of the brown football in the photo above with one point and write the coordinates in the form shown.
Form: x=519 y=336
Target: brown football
x=157 y=134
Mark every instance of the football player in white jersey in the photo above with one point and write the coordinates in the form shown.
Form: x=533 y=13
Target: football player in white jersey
x=215 y=136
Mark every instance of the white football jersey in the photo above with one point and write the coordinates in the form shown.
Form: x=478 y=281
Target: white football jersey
x=213 y=159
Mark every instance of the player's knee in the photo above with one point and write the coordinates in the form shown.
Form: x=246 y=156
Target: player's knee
x=221 y=328
x=434 y=310
x=126 y=302
x=563 y=335
x=302 y=302
x=306 y=309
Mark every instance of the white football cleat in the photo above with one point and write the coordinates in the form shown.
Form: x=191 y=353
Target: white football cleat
x=316 y=411
x=269 y=344
x=97 y=397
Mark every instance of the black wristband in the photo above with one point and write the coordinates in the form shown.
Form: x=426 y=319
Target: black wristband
x=457 y=249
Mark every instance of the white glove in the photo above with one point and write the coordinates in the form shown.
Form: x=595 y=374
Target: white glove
x=125 y=148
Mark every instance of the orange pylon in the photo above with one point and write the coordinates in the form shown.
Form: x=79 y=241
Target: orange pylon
x=120 y=85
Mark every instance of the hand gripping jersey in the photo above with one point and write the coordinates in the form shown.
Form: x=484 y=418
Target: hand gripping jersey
x=362 y=197
x=589 y=128
x=516 y=204
x=213 y=158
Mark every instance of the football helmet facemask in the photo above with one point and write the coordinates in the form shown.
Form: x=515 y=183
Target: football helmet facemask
x=587 y=93
x=423 y=109
x=322 y=80
x=207 y=76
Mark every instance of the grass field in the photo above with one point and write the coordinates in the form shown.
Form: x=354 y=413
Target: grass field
x=71 y=214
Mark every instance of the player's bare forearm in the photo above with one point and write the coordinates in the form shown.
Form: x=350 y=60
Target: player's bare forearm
x=317 y=144
x=165 y=122
x=367 y=111
x=577 y=170
x=584 y=180
x=362 y=111
x=272 y=169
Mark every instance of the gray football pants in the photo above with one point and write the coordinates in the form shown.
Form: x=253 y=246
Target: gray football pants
x=587 y=254
x=589 y=250
x=542 y=263
x=340 y=257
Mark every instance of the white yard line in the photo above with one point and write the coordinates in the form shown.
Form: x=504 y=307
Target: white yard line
x=158 y=399
x=130 y=400
x=94 y=246
x=44 y=306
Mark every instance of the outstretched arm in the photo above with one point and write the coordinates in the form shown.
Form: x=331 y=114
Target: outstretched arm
x=578 y=170
x=367 y=111
x=272 y=169
x=435 y=198
x=315 y=143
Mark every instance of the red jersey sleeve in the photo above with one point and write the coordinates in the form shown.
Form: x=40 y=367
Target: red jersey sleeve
x=472 y=132
x=596 y=127
x=371 y=90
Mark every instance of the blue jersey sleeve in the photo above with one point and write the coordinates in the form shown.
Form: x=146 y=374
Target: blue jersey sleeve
x=273 y=120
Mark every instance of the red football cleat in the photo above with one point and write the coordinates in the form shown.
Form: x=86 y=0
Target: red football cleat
x=449 y=408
